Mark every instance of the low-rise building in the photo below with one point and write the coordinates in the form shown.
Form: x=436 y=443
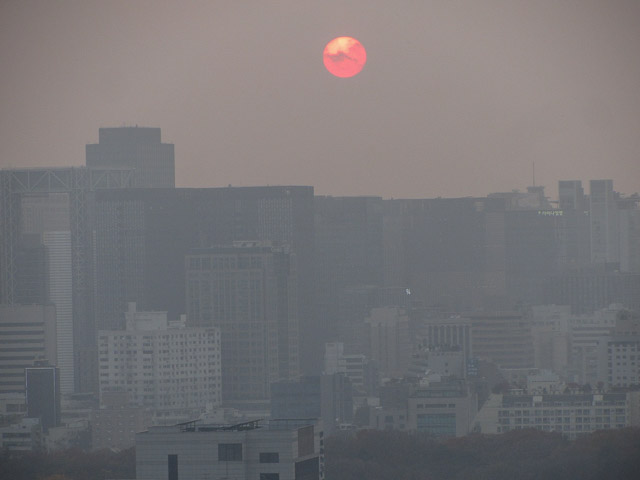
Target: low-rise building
x=571 y=414
x=25 y=435
x=273 y=450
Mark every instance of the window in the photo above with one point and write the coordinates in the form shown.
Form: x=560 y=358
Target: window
x=269 y=457
x=229 y=452
x=269 y=476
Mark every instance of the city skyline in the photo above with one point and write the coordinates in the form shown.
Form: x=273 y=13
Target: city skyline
x=456 y=100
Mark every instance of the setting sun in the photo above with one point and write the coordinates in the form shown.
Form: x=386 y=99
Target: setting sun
x=344 y=57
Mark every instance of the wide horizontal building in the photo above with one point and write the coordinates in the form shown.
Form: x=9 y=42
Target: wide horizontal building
x=274 y=450
x=572 y=414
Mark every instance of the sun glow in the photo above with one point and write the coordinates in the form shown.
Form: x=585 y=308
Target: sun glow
x=344 y=57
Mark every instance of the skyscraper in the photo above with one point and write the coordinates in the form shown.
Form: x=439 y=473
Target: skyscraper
x=46 y=242
x=248 y=290
x=605 y=237
x=139 y=148
x=143 y=235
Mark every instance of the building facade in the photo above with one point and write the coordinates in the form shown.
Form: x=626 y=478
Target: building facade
x=571 y=414
x=249 y=291
x=274 y=450
x=162 y=367
x=138 y=148
x=28 y=333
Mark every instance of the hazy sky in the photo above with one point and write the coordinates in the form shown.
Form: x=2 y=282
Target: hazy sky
x=457 y=98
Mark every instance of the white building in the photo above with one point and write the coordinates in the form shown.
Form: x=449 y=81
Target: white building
x=274 y=450
x=619 y=361
x=571 y=414
x=161 y=366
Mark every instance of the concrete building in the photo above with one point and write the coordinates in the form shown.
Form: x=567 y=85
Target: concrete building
x=551 y=332
x=116 y=427
x=445 y=361
x=24 y=436
x=46 y=245
x=389 y=343
x=437 y=405
x=28 y=333
x=444 y=332
x=618 y=361
x=42 y=385
x=326 y=397
x=361 y=372
x=348 y=262
x=443 y=408
x=629 y=225
x=502 y=337
x=571 y=414
x=274 y=450
x=143 y=236
x=249 y=291
x=138 y=148
x=587 y=331
x=165 y=367
x=603 y=211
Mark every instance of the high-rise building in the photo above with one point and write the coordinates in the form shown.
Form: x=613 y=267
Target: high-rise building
x=28 y=334
x=139 y=148
x=143 y=236
x=448 y=252
x=42 y=385
x=605 y=237
x=571 y=195
x=46 y=246
x=249 y=291
x=348 y=256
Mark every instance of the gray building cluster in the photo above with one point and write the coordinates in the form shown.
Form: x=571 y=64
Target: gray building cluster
x=311 y=303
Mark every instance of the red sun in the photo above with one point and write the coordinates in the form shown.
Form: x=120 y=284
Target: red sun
x=344 y=57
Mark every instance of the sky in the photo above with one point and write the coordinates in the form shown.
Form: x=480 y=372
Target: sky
x=458 y=97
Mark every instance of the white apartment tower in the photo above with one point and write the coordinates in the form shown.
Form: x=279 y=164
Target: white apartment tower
x=166 y=367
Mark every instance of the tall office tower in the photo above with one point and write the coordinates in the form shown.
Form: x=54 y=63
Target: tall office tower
x=167 y=367
x=32 y=271
x=348 y=257
x=452 y=251
x=28 y=333
x=248 y=290
x=48 y=216
x=139 y=148
x=531 y=252
x=572 y=227
x=570 y=195
x=629 y=223
x=605 y=247
x=52 y=208
x=42 y=385
x=143 y=235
